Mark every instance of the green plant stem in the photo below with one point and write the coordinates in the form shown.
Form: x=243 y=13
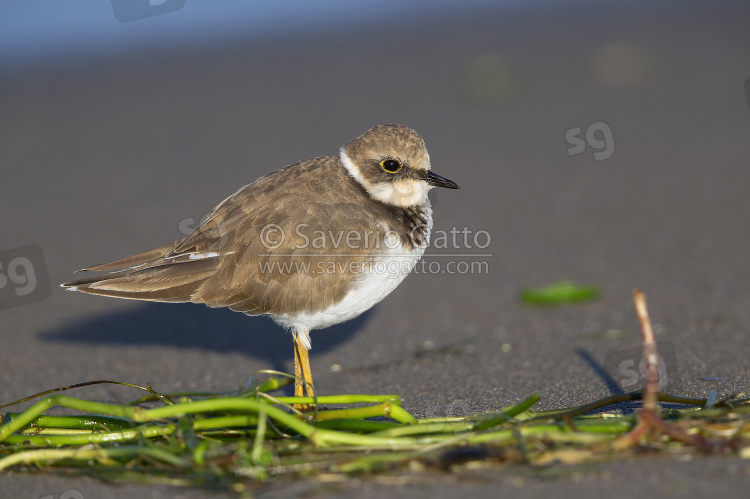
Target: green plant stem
x=89 y=423
x=91 y=438
x=319 y=436
x=387 y=409
x=356 y=425
x=36 y=456
x=615 y=399
x=342 y=399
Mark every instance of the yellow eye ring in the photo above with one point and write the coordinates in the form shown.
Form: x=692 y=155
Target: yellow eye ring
x=391 y=165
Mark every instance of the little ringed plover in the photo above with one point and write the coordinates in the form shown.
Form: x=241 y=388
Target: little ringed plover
x=311 y=245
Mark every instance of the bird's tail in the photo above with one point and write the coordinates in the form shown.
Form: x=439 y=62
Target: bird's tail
x=148 y=276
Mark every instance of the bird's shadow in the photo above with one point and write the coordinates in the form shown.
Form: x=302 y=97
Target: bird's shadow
x=614 y=388
x=600 y=371
x=185 y=325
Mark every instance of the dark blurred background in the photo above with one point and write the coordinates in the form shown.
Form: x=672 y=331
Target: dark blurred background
x=601 y=142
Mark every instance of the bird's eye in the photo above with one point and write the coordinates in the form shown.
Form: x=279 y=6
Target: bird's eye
x=391 y=165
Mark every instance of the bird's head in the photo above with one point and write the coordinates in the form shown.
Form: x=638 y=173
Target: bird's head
x=392 y=164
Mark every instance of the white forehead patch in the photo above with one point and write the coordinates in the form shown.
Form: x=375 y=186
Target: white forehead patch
x=404 y=193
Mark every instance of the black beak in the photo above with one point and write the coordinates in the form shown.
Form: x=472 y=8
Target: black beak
x=436 y=180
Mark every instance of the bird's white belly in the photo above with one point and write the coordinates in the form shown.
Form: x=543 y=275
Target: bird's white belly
x=378 y=278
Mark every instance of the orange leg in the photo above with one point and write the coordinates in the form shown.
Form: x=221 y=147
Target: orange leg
x=302 y=370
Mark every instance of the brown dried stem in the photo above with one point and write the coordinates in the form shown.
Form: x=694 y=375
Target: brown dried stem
x=650 y=420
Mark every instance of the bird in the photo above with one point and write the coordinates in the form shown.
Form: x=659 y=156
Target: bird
x=311 y=245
